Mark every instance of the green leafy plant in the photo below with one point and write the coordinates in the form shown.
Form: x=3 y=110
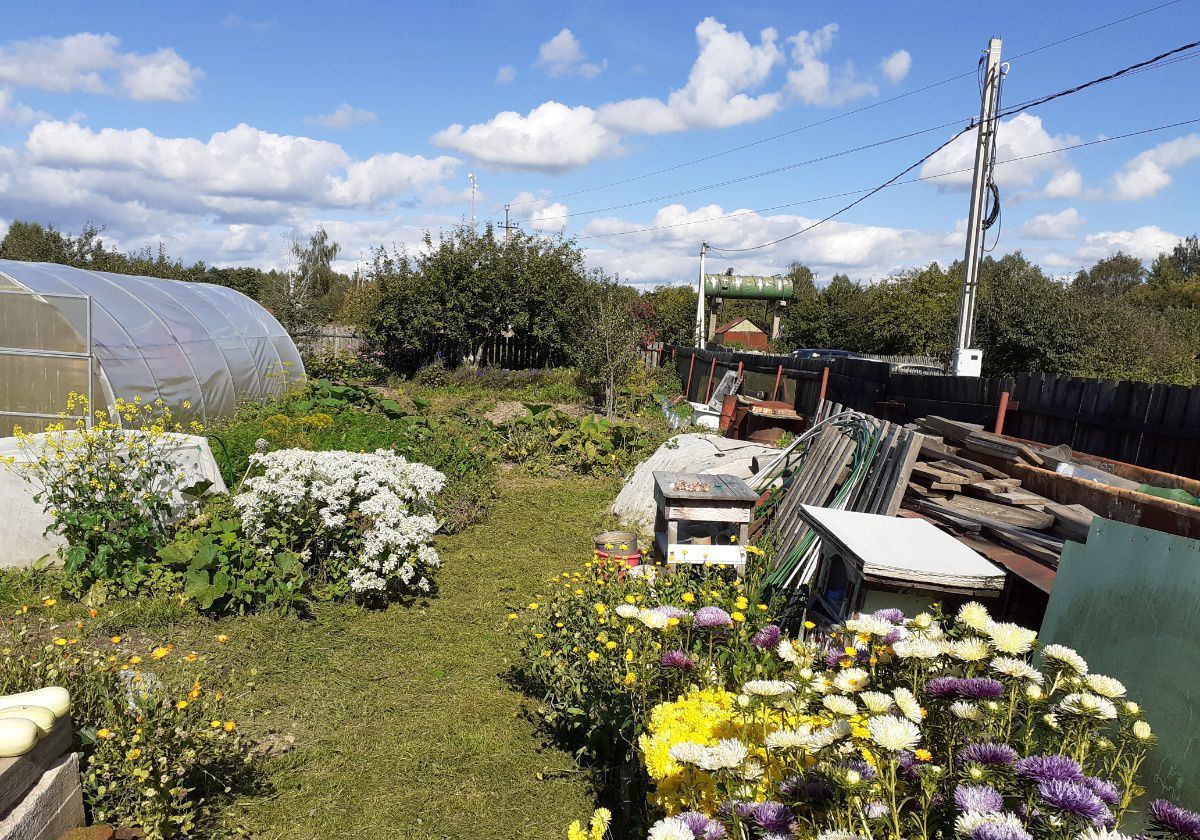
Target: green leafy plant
x=547 y=438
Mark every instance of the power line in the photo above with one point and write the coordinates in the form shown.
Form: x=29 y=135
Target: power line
x=1016 y=109
x=919 y=179
x=841 y=115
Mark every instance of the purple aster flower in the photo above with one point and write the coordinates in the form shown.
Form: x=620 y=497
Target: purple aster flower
x=1169 y=819
x=893 y=637
x=811 y=786
x=1103 y=788
x=979 y=798
x=774 y=817
x=861 y=767
x=989 y=753
x=1046 y=768
x=942 y=687
x=672 y=612
x=891 y=614
x=711 y=618
x=677 y=659
x=999 y=831
x=1074 y=798
x=701 y=826
x=767 y=638
x=980 y=688
x=833 y=657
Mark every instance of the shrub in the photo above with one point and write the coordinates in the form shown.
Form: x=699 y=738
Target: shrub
x=113 y=495
x=158 y=750
x=547 y=438
x=361 y=522
x=345 y=365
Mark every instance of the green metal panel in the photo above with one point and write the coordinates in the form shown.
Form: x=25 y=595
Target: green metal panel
x=747 y=287
x=1129 y=602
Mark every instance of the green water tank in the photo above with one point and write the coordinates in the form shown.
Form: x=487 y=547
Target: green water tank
x=747 y=287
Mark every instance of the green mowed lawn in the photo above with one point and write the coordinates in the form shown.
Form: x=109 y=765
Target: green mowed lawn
x=404 y=723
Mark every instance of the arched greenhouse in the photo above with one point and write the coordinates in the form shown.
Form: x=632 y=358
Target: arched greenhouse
x=65 y=329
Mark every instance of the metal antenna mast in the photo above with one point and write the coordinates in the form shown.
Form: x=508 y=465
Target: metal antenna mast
x=700 y=333
x=968 y=361
x=507 y=226
x=474 y=184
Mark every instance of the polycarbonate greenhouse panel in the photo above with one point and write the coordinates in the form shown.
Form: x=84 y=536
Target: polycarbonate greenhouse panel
x=197 y=344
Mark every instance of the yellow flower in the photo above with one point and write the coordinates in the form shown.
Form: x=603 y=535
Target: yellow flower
x=48 y=602
x=191 y=657
x=60 y=641
x=539 y=635
x=762 y=607
x=601 y=609
x=134 y=660
x=534 y=605
x=512 y=616
x=159 y=653
x=215 y=724
x=737 y=616
x=922 y=755
x=222 y=638
x=628 y=655
x=688 y=597
x=116 y=640
x=611 y=645
x=629 y=599
x=629 y=680
x=593 y=656
x=103 y=734
x=182 y=704
x=808 y=625
x=230 y=726
x=133 y=754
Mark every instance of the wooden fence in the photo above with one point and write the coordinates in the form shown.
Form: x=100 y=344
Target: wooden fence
x=1154 y=426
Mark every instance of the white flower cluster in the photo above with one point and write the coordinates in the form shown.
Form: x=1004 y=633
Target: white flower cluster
x=371 y=511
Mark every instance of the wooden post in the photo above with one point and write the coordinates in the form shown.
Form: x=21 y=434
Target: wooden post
x=687 y=389
x=1000 y=412
x=712 y=369
x=824 y=386
x=778 y=377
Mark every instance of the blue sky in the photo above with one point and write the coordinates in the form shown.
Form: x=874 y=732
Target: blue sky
x=223 y=129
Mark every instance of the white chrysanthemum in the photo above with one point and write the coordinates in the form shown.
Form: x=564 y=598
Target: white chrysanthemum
x=907 y=703
x=916 y=647
x=653 y=619
x=967 y=822
x=969 y=650
x=1094 y=833
x=870 y=625
x=1105 y=686
x=671 y=828
x=829 y=735
x=1011 y=666
x=753 y=770
x=794 y=652
x=726 y=754
x=1141 y=730
x=772 y=689
x=1034 y=692
x=963 y=710
x=1051 y=720
x=1062 y=657
x=1087 y=705
x=628 y=611
x=839 y=835
x=974 y=615
x=1131 y=708
x=851 y=680
x=839 y=705
x=790 y=739
x=1011 y=638
x=688 y=752
x=876 y=701
x=922 y=621
x=893 y=733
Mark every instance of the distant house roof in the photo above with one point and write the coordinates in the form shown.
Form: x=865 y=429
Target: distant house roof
x=724 y=328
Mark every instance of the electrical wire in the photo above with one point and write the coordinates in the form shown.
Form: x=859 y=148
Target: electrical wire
x=1016 y=109
x=932 y=177
x=835 y=117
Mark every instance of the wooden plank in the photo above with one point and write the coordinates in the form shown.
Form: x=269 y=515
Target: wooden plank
x=948 y=429
x=968 y=475
x=1075 y=520
x=1008 y=514
x=709 y=513
x=1006 y=497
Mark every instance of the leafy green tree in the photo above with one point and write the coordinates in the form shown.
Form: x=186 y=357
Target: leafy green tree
x=1115 y=275
x=605 y=351
x=672 y=315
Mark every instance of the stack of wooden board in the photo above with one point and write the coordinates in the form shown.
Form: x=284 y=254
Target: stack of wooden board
x=947 y=485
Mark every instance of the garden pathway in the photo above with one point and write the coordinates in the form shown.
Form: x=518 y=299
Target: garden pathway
x=404 y=724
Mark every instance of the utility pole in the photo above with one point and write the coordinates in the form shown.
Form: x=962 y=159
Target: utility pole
x=474 y=184
x=508 y=227
x=700 y=333
x=968 y=361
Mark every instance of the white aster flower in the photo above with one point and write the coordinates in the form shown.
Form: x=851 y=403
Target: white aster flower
x=1062 y=657
x=653 y=619
x=828 y=735
x=876 y=701
x=870 y=625
x=1131 y=708
x=922 y=621
x=963 y=710
x=974 y=615
x=839 y=835
x=671 y=828
x=1094 y=833
x=850 y=680
x=726 y=754
x=1034 y=692
x=967 y=822
x=839 y=704
x=893 y=733
x=790 y=739
x=1141 y=730
x=627 y=611
x=969 y=650
x=916 y=647
x=772 y=689
x=1087 y=705
x=907 y=703
x=688 y=752
x=1011 y=638
x=1105 y=686
x=1011 y=666
x=792 y=652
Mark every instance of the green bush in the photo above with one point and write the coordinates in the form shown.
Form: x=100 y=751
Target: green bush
x=547 y=438
x=344 y=365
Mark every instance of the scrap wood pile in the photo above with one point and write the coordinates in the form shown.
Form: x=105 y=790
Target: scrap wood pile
x=847 y=460
x=950 y=486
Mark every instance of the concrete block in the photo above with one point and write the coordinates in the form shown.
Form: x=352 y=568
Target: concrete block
x=51 y=807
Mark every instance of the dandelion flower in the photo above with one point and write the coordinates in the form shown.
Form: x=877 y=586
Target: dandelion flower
x=893 y=733
x=1011 y=638
x=974 y=615
x=1105 y=686
x=1062 y=657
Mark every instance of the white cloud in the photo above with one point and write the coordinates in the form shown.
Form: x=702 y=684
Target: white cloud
x=344 y=116
x=15 y=113
x=1019 y=137
x=1150 y=172
x=1145 y=243
x=1063 y=225
x=92 y=63
x=896 y=66
x=1065 y=184
x=506 y=74
x=563 y=55
x=543 y=215
x=551 y=138
x=812 y=81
